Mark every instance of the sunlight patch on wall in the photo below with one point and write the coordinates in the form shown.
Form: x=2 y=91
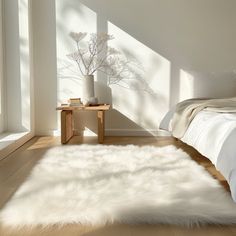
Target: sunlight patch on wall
x=143 y=93
x=186 y=86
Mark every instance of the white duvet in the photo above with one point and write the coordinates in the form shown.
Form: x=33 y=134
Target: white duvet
x=214 y=136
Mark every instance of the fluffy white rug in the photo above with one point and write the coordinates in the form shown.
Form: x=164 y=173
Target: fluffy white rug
x=126 y=184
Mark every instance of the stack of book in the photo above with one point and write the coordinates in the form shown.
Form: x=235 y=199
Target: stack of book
x=75 y=102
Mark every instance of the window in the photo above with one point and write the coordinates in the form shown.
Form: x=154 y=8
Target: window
x=15 y=82
x=2 y=95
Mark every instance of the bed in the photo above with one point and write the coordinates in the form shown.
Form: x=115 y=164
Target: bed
x=213 y=134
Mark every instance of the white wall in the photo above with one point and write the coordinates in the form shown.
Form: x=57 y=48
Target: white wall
x=140 y=99
x=186 y=49
x=44 y=62
x=196 y=36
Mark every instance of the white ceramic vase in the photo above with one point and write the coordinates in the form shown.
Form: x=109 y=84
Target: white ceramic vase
x=87 y=88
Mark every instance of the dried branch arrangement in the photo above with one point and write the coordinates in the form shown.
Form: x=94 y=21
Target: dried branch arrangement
x=95 y=54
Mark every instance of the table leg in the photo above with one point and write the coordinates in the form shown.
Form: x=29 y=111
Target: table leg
x=66 y=126
x=100 y=116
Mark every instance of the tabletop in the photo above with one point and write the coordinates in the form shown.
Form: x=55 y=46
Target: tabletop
x=99 y=107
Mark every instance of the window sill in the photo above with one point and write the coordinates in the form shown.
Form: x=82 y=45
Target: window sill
x=10 y=141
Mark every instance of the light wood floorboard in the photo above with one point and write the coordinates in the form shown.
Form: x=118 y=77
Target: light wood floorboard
x=17 y=166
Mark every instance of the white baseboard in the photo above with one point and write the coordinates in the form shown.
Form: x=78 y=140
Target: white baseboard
x=110 y=132
x=131 y=132
x=48 y=132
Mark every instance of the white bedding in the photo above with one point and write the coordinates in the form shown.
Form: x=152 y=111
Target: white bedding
x=214 y=136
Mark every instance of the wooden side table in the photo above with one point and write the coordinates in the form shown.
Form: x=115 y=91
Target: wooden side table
x=67 y=120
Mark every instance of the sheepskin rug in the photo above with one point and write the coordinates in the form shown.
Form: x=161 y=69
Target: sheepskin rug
x=98 y=184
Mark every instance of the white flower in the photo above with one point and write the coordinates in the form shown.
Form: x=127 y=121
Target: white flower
x=77 y=36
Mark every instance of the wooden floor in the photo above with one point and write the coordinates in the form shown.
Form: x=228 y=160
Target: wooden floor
x=17 y=166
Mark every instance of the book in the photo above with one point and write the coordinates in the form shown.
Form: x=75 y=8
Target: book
x=76 y=105
x=75 y=102
x=64 y=104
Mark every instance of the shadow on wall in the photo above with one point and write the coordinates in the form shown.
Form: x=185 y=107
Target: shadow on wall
x=119 y=122
x=214 y=85
x=89 y=121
